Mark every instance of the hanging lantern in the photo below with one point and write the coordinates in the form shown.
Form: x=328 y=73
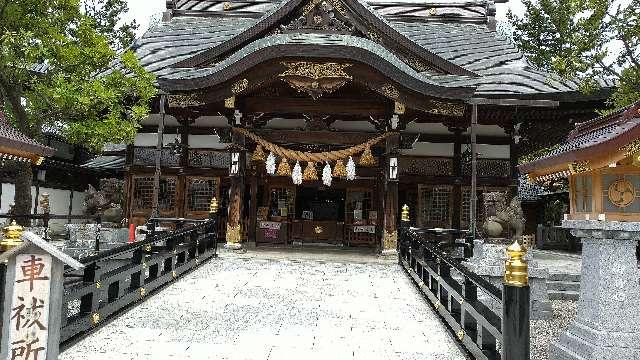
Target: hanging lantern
x=339 y=170
x=367 y=159
x=326 y=175
x=271 y=164
x=351 y=169
x=284 y=169
x=258 y=155
x=310 y=172
x=296 y=176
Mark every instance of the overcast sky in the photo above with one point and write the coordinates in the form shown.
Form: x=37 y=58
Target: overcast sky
x=142 y=10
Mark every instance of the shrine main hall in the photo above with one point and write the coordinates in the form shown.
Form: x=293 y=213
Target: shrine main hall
x=314 y=121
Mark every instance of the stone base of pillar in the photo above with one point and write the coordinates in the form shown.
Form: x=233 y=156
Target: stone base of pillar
x=607 y=325
x=389 y=252
x=233 y=246
x=488 y=262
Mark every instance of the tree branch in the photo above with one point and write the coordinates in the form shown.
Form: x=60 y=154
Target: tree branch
x=608 y=69
x=629 y=52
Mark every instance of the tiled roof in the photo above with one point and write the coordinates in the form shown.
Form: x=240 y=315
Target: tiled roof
x=12 y=139
x=604 y=135
x=456 y=31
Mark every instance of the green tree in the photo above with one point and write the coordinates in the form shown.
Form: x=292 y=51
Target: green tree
x=56 y=70
x=577 y=40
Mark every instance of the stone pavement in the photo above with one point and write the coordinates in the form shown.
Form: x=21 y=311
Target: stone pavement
x=279 y=305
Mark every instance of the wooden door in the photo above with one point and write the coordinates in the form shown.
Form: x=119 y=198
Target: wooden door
x=199 y=190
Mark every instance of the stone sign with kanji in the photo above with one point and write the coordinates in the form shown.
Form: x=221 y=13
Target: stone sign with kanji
x=32 y=307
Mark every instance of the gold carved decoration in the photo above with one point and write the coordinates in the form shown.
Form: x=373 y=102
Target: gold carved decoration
x=621 y=193
x=390 y=91
x=230 y=103
x=313 y=3
x=239 y=86
x=398 y=108
x=432 y=12
x=631 y=148
x=316 y=79
x=318 y=230
x=186 y=100
x=12 y=234
x=578 y=167
x=143 y=292
x=233 y=234
x=443 y=108
x=226 y=6
x=460 y=335
x=390 y=240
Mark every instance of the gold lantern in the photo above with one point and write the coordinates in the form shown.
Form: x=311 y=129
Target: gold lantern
x=339 y=170
x=284 y=169
x=258 y=155
x=310 y=172
x=367 y=159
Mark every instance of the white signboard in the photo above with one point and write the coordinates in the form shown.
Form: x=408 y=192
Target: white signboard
x=371 y=229
x=29 y=319
x=270 y=225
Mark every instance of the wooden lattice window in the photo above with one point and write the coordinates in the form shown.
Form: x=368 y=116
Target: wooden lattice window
x=143 y=193
x=435 y=206
x=286 y=195
x=583 y=193
x=200 y=191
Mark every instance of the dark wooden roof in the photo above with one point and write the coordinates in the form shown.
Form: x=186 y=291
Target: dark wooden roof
x=203 y=42
x=605 y=138
x=13 y=143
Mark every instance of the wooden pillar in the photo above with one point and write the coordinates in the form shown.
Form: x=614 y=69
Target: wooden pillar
x=513 y=159
x=236 y=190
x=253 y=208
x=456 y=192
x=392 y=171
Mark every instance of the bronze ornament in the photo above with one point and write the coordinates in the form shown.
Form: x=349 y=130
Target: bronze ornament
x=389 y=91
x=444 y=108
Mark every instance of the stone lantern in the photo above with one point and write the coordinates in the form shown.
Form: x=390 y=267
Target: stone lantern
x=601 y=160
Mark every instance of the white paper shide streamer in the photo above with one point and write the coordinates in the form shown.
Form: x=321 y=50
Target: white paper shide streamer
x=351 y=169
x=326 y=175
x=296 y=175
x=271 y=164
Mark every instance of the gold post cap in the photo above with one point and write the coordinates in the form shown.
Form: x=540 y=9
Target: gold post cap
x=404 y=216
x=12 y=235
x=516 y=269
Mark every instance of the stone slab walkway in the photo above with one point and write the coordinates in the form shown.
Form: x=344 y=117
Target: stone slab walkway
x=266 y=305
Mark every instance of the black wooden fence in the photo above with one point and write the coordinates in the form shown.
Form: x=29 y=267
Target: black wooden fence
x=117 y=278
x=453 y=292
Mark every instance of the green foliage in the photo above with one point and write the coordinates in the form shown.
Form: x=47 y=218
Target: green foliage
x=574 y=38
x=78 y=92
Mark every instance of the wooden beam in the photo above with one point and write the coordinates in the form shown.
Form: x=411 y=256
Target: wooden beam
x=309 y=106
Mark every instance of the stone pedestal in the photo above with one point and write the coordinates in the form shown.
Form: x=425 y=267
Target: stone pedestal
x=607 y=325
x=488 y=262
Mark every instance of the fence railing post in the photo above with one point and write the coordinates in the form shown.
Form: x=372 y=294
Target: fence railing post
x=515 y=305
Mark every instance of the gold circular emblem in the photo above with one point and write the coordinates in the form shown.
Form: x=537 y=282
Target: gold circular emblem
x=622 y=193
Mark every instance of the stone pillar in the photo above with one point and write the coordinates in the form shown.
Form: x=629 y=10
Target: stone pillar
x=607 y=325
x=236 y=192
x=392 y=171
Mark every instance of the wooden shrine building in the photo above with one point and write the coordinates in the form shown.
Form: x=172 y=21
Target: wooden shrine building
x=386 y=83
x=601 y=159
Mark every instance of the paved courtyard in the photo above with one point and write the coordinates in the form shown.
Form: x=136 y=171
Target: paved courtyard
x=268 y=306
